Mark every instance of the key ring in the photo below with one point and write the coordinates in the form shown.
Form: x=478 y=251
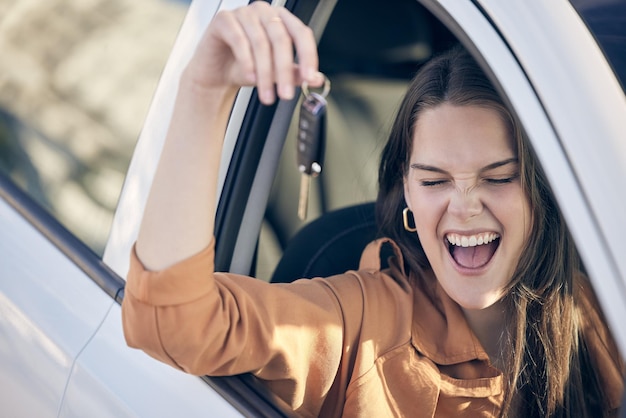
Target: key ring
x=325 y=91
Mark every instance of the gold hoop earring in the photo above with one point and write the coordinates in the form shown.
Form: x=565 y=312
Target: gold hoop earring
x=405 y=220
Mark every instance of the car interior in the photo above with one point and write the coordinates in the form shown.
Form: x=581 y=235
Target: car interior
x=369 y=55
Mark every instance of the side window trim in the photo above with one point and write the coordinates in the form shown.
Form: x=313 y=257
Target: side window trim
x=72 y=247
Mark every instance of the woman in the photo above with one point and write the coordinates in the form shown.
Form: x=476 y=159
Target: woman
x=530 y=316
x=483 y=311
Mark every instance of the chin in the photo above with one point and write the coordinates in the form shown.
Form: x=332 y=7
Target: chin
x=476 y=302
x=476 y=305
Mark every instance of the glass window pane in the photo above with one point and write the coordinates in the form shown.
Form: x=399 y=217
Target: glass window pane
x=76 y=80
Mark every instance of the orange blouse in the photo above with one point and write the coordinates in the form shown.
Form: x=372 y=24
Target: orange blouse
x=364 y=343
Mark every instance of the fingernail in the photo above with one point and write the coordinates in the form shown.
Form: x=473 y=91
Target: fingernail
x=318 y=77
x=287 y=91
x=267 y=96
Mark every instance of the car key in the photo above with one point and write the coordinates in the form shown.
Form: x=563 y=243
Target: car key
x=311 y=141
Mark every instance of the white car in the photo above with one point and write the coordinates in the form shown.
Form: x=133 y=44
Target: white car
x=65 y=237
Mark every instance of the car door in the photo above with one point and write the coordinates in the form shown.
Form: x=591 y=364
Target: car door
x=49 y=307
x=63 y=347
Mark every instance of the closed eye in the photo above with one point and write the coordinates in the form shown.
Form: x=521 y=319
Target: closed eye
x=432 y=183
x=504 y=180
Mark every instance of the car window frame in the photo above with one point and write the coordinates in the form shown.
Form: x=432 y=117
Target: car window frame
x=71 y=246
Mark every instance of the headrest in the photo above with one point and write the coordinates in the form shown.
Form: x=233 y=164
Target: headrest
x=375 y=37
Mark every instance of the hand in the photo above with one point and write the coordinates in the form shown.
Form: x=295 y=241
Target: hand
x=253 y=46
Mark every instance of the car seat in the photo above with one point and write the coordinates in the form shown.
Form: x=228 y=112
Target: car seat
x=331 y=244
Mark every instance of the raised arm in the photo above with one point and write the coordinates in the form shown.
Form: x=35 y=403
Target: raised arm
x=249 y=46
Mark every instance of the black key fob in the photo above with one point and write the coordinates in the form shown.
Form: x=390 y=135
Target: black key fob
x=312 y=134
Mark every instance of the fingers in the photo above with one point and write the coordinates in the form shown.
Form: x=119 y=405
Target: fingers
x=282 y=55
x=227 y=29
x=269 y=44
x=305 y=45
x=262 y=40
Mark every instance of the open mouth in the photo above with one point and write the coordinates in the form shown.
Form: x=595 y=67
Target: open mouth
x=473 y=251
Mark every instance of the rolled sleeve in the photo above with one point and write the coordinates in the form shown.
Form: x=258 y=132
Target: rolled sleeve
x=181 y=283
x=207 y=323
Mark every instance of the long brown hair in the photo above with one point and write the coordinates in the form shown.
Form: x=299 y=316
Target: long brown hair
x=546 y=368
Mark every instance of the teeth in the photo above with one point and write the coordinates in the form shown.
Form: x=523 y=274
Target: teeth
x=472 y=240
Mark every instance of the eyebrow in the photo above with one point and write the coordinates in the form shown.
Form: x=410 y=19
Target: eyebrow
x=488 y=167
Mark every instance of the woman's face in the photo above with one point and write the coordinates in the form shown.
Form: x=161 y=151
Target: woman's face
x=464 y=189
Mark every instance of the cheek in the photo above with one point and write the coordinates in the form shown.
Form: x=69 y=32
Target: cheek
x=513 y=209
x=428 y=210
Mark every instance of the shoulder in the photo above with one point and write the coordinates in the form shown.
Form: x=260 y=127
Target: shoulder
x=375 y=285
x=378 y=303
x=371 y=288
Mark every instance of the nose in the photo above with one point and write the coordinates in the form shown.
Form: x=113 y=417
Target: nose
x=465 y=204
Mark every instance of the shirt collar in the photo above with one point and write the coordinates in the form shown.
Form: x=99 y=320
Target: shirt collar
x=439 y=329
